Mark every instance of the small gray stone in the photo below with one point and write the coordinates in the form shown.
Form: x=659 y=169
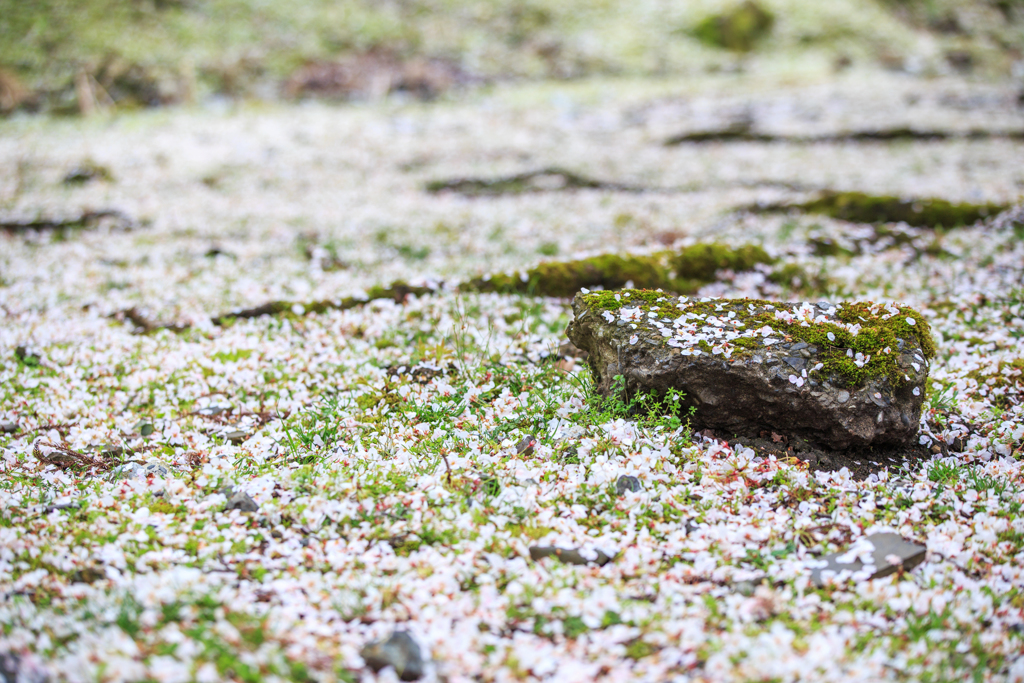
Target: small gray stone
x=239 y=501
x=8 y=427
x=627 y=483
x=399 y=651
x=886 y=547
x=235 y=436
x=795 y=362
x=571 y=555
x=843 y=397
x=210 y=411
x=525 y=447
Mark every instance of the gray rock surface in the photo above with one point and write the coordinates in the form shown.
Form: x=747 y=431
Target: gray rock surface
x=399 y=651
x=872 y=557
x=238 y=500
x=744 y=367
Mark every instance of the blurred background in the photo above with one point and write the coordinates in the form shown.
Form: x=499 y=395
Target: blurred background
x=78 y=56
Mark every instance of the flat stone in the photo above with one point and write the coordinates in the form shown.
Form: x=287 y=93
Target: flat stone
x=525 y=446
x=153 y=468
x=797 y=364
x=740 y=380
x=627 y=483
x=239 y=500
x=577 y=556
x=399 y=651
x=8 y=427
x=235 y=436
x=886 y=553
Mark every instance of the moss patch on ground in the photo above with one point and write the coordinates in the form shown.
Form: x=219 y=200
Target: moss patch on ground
x=858 y=207
x=738 y=29
x=875 y=339
x=701 y=261
x=683 y=271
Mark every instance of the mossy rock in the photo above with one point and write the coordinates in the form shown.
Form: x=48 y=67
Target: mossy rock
x=738 y=29
x=842 y=375
x=858 y=207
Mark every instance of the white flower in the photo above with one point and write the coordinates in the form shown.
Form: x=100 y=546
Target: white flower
x=911 y=321
x=634 y=339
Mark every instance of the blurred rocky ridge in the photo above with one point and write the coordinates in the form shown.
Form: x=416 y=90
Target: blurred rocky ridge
x=102 y=54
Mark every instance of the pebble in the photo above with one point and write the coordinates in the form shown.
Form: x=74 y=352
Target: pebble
x=525 y=446
x=399 y=651
x=8 y=427
x=627 y=483
x=235 y=436
x=238 y=501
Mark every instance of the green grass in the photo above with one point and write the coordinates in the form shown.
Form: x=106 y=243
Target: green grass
x=150 y=51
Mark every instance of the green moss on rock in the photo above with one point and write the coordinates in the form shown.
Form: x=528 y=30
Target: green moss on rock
x=877 y=336
x=738 y=29
x=859 y=207
x=565 y=278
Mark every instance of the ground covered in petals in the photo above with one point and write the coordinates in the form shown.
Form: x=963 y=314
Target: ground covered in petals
x=258 y=498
